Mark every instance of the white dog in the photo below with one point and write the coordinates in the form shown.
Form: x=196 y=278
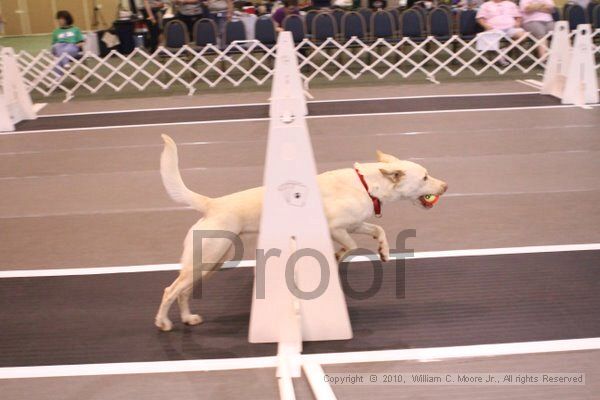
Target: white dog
x=350 y=196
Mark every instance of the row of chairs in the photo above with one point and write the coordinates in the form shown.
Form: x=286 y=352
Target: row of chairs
x=320 y=26
x=415 y=23
x=575 y=15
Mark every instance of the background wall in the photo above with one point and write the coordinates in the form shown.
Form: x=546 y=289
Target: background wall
x=24 y=17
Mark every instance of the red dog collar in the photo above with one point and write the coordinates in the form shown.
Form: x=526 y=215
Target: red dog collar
x=375 y=200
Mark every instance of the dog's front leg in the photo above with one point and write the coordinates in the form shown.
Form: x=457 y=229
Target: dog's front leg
x=378 y=234
x=342 y=237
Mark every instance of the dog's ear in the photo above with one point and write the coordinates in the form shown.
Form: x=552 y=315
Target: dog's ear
x=386 y=158
x=393 y=174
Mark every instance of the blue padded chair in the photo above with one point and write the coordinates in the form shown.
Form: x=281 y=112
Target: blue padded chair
x=596 y=17
x=467 y=24
x=296 y=25
x=411 y=25
x=338 y=14
x=366 y=14
x=176 y=34
x=382 y=25
x=324 y=27
x=308 y=19
x=396 y=15
x=440 y=24
x=353 y=25
x=234 y=30
x=205 y=32
x=589 y=11
x=575 y=15
x=264 y=31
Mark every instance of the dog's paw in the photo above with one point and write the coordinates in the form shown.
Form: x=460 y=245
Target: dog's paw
x=192 y=319
x=384 y=253
x=164 y=324
x=339 y=255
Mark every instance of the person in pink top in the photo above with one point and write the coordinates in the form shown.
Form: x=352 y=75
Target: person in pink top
x=502 y=15
x=537 y=20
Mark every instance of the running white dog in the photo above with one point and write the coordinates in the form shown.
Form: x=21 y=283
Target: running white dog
x=350 y=196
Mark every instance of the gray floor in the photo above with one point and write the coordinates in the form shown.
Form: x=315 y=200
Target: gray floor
x=94 y=198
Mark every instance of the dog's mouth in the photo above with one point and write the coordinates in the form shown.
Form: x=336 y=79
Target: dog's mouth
x=429 y=200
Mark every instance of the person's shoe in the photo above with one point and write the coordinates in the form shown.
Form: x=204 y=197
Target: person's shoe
x=503 y=62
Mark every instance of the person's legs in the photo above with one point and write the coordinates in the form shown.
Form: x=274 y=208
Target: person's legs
x=538 y=30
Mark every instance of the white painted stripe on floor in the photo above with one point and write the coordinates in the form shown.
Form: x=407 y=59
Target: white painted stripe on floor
x=152 y=367
x=421 y=354
x=526 y=83
x=32 y=273
x=316 y=378
x=444 y=353
x=266 y=104
x=310 y=117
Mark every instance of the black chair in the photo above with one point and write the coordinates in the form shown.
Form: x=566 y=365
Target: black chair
x=353 y=25
x=338 y=14
x=324 y=27
x=383 y=26
x=556 y=14
x=467 y=24
x=596 y=17
x=366 y=14
x=234 y=30
x=396 y=15
x=440 y=24
x=575 y=15
x=205 y=32
x=411 y=25
x=295 y=24
x=589 y=11
x=308 y=19
x=264 y=31
x=176 y=34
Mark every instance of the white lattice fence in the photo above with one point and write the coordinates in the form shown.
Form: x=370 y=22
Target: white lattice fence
x=252 y=62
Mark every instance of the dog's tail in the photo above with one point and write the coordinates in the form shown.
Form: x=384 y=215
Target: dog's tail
x=169 y=170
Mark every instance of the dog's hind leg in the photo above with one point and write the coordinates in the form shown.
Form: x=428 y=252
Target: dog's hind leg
x=342 y=237
x=213 y=250
x=184 y=298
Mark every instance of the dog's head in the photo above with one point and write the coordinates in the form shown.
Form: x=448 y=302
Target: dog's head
x=402 y=179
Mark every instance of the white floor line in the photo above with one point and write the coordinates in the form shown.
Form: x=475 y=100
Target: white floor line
x=309 y=117
x=316 y=378
x=32 y=273
x=266 y=104
x=530 y=84
x=421 y=354
x=444 y=353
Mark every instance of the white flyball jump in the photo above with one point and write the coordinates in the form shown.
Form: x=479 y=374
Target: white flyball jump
x=309 y=305
x=15 y=102
x=571 y=72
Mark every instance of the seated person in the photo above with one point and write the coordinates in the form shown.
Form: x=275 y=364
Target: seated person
x=67 y=40
x=152 y=11
x=537 y=20
x=189 y=11
x=290 y=7
x=502 y=15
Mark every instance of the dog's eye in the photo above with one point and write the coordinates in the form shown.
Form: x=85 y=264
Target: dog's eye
x=425 y=177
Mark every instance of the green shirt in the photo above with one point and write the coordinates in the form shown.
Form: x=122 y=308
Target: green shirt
x=70 y=34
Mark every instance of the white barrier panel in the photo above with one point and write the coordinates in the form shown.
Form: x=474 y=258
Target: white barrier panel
x=581 y=86
x=293 y=219
x=15 y=104
x=557 y=66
